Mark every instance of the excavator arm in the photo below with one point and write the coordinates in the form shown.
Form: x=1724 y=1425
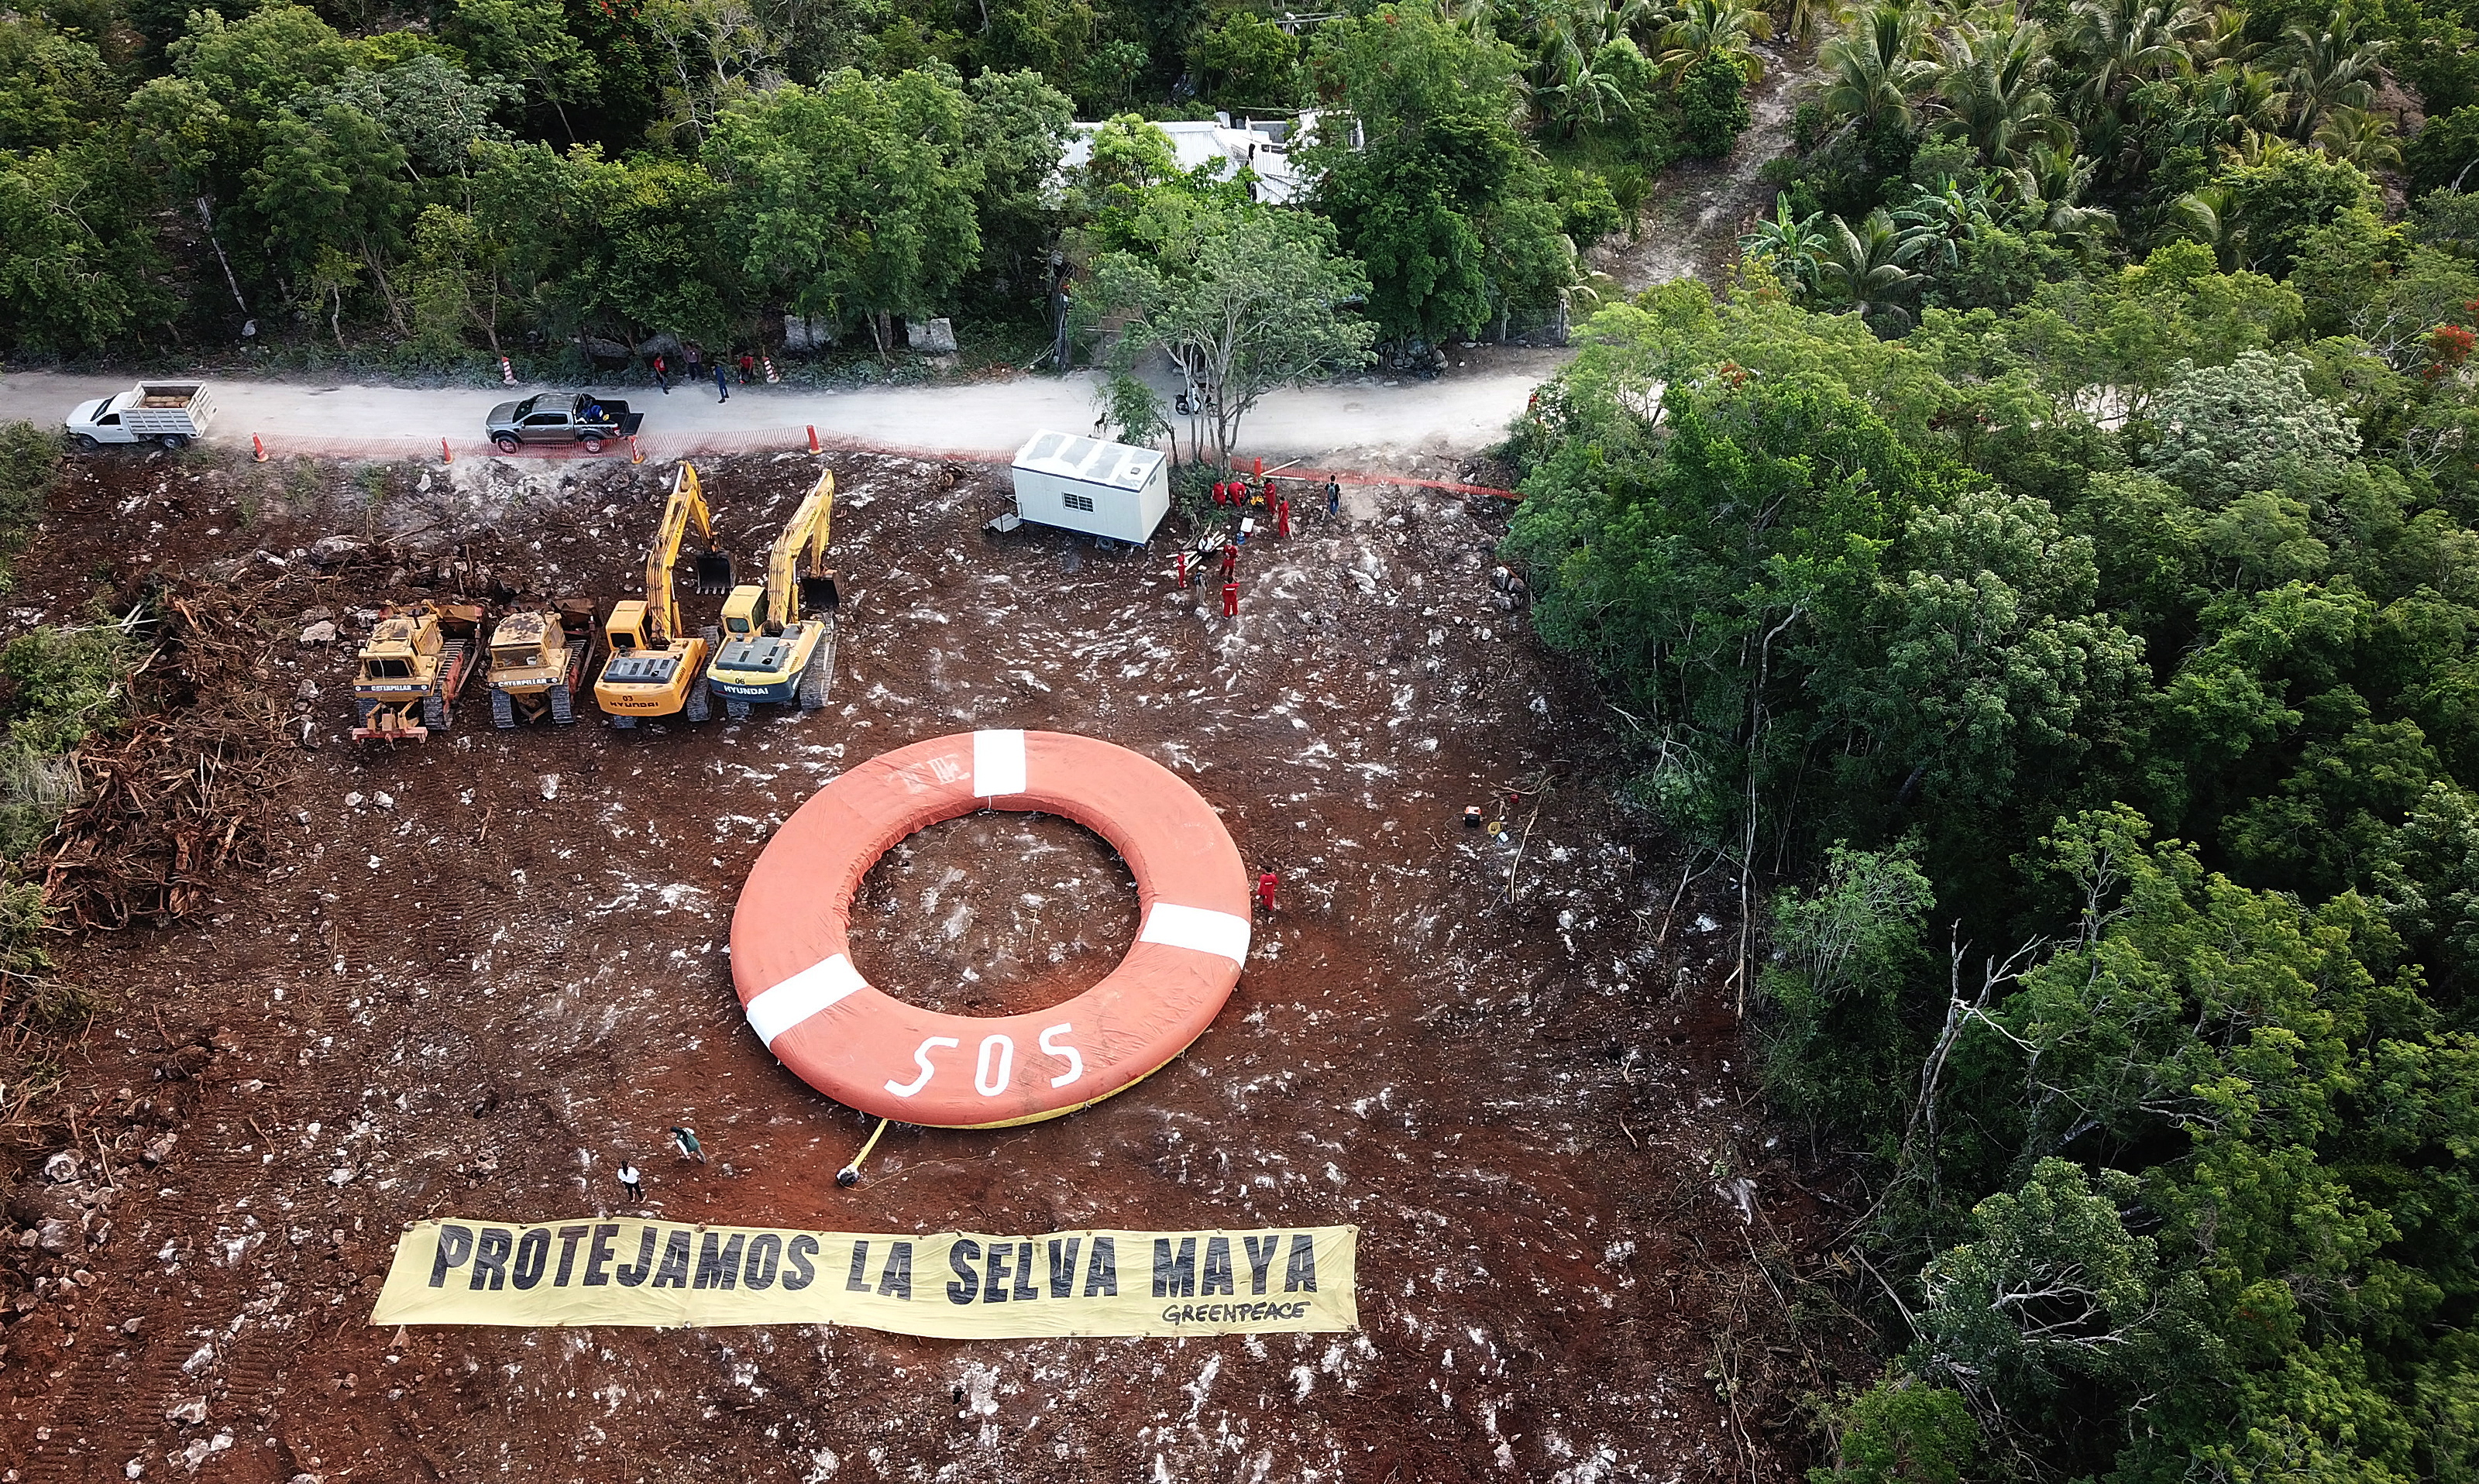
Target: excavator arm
x=713 y=565
x=797 y=580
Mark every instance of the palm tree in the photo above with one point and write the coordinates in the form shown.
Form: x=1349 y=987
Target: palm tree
x=1603 y=21
x=2330 y=67
x=1579 y=93
x=1569 y=38
x=2365 y=139
x=1553 y=44
x=1808 y=17
x=1867 y=266
x=2235 y=98
x=2209 y=216
x=1937 y=223
x=1473 y=16
x=1790 y=246
x=2050 y=185
x=2123 y=43
x=2255 y=147
x=1706 y=29
x=1991 y=88
x=1876 y=67
x=2222 y=38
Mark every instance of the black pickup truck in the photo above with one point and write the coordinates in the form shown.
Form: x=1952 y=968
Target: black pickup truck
x=577 y=418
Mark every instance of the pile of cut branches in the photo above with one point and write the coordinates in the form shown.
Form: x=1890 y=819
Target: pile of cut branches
x=184 y=790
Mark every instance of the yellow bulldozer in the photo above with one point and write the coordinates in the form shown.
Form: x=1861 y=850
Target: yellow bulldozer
x=778 y=640
x=538 y=659
x=654 y=669
x=406 y=677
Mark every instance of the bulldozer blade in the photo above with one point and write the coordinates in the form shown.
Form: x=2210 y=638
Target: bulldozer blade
x=713 y=572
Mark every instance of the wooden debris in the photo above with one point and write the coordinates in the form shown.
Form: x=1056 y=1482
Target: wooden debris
x=182 y=791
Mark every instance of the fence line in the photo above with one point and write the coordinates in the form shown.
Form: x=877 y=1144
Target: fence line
x=665 y=448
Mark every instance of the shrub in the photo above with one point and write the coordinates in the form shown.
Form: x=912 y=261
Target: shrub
x=1901 y=1432
x=2439 y=153
x=1712 y=107
x=30 y=460
x=1587 y=209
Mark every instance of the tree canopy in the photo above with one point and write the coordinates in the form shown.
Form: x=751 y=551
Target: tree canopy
x=2089 y=680
x=856 y=167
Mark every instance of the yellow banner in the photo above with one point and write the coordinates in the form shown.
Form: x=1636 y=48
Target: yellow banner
x=953 y=1285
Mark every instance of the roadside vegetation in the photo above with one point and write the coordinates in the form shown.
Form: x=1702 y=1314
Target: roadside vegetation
x=2045 y=584
x=58 y=687
x=591 y=182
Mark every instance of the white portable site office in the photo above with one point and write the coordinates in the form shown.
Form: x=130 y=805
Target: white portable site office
x=1084 y=484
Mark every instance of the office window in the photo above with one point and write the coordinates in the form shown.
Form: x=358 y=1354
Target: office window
x=1077 y=501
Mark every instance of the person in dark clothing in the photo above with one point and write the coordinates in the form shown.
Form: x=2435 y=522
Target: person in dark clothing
x=722 y=383
x=684 y=1138
x=1332 y=498
x=748 y=364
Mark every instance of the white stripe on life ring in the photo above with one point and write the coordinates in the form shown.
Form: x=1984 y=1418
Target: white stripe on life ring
x=1199 y=928
x=998 y=764
x=803 y=995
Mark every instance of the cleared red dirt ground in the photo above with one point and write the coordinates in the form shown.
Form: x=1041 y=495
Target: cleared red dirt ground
x=463 y=989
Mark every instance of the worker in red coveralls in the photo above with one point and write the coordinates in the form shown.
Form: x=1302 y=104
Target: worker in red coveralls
x=1230 y=600
x=1183 y=571
x=1230 y=561
x=1283 y=519
x=1221 y=493
x=1266 y=881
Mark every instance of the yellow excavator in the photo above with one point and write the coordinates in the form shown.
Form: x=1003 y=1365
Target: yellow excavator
x=778 y=641
x=654 y=669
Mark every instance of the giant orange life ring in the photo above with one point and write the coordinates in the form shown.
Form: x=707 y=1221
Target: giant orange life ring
x=792 y=966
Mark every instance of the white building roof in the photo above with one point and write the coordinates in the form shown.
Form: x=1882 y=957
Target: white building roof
x=1068 y=456
x=1260 y=144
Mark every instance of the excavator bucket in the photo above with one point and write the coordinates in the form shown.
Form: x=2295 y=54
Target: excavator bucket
x=713 y=572
x=819 y=594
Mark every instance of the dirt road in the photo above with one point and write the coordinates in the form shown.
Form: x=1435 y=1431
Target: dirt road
x=1691 y=227
x=1377 y=418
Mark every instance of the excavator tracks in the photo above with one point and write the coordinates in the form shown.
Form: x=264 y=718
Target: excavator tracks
x=818 y=676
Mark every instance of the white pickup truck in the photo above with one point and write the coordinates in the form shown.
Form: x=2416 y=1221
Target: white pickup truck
x=167 y=413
